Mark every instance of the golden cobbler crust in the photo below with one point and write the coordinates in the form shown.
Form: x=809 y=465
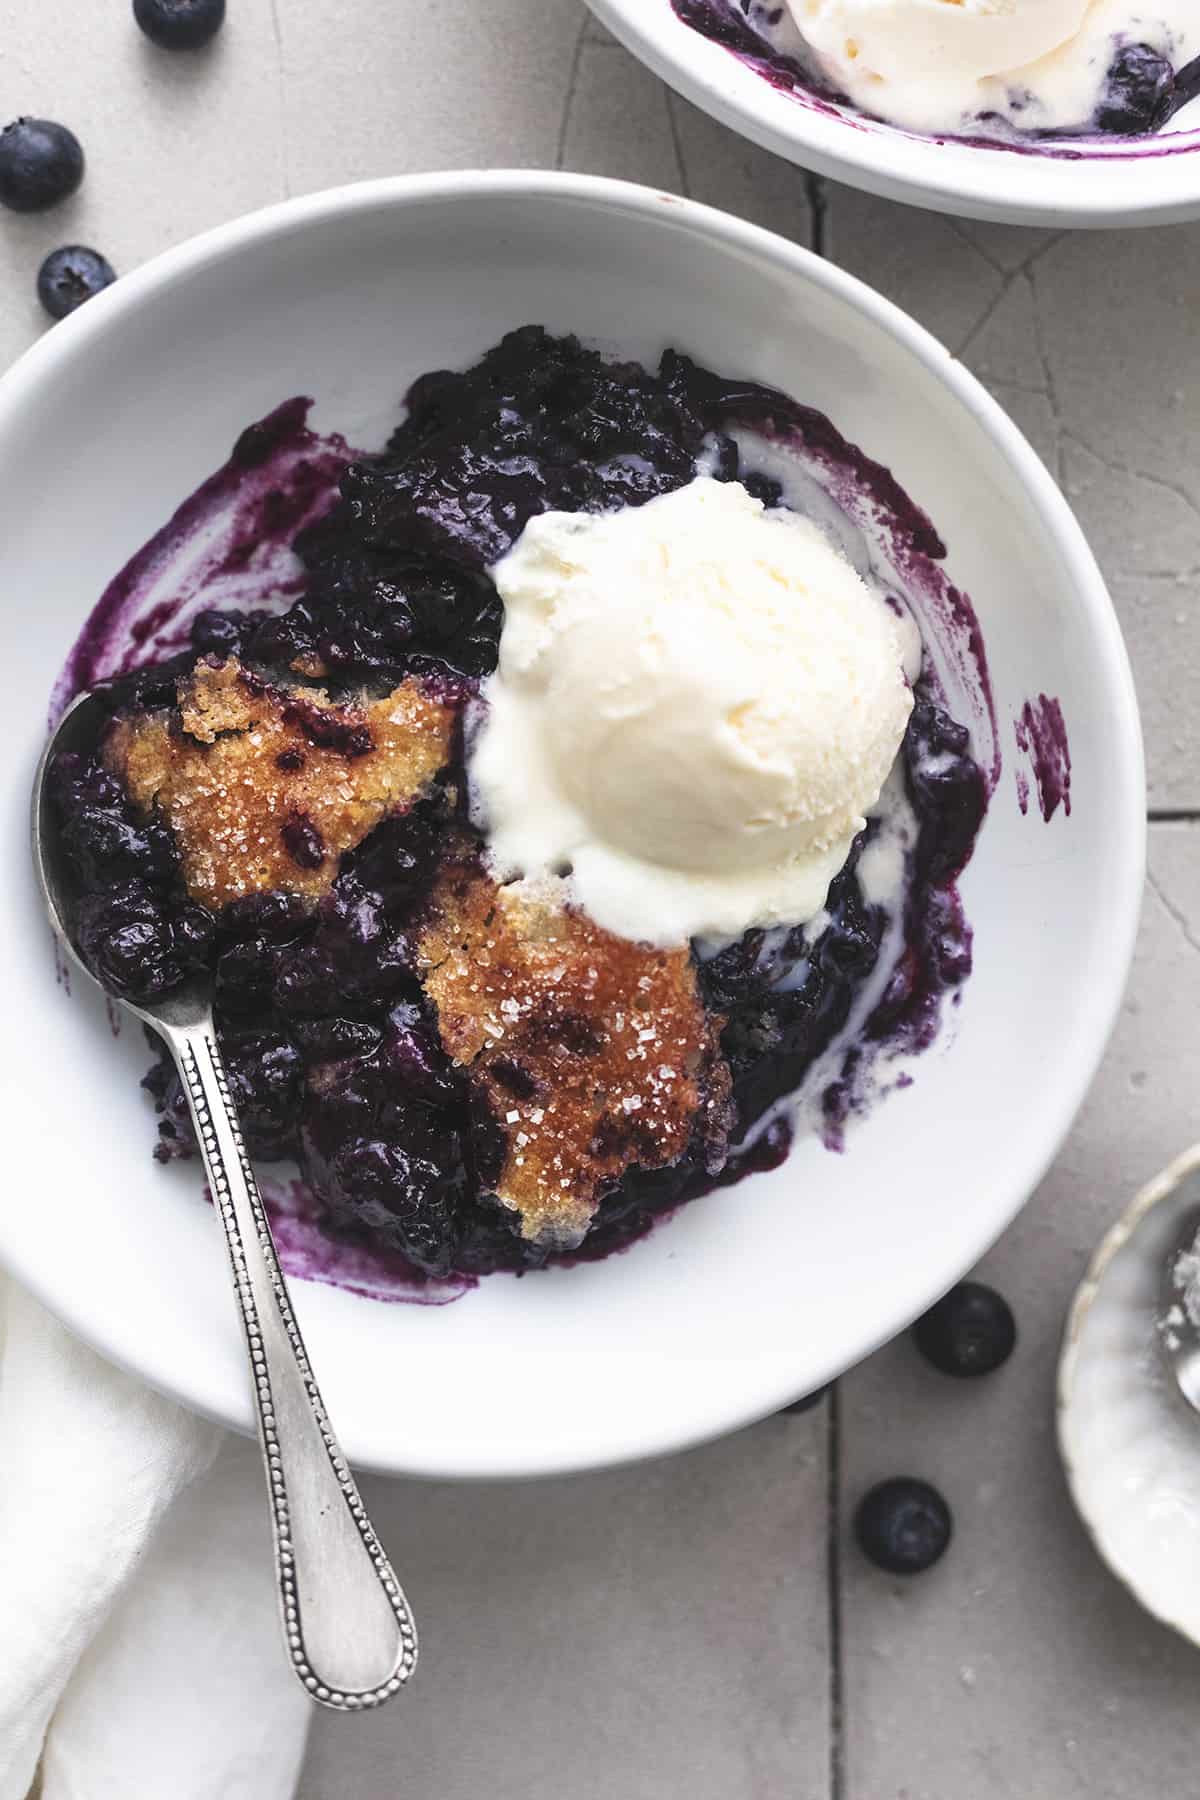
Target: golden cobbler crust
x=594 y=1054
x=255 y=800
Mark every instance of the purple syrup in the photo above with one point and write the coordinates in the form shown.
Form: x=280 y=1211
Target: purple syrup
x=729 y=23
x=308 y=1252
x=228 y=546
x=768 y=1151
x=728 y=26
x=1041 y=735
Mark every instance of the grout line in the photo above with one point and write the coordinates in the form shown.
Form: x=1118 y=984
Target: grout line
x=833 y=1583
x=1166 y=815
x=818 y=209
x=821 y=238
x=581 y=44
x=685 y=186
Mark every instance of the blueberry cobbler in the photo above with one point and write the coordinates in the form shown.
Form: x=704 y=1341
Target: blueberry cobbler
x=997 y=69
x=587 y=801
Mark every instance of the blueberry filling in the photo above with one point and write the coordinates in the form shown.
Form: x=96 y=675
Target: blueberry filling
x=332 y=1043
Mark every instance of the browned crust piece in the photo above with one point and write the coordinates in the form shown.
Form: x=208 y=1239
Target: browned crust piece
x=255 y=804
x=595 y=1054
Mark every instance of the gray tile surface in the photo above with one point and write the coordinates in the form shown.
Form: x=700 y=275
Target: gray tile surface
x=667 y=1631
x=1019 y=1667
x=629 y=1636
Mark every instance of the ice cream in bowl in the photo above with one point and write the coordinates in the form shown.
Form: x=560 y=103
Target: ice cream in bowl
x=1033 y=111
x=696 y=702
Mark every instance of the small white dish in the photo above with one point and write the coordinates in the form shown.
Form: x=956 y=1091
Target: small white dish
x=1113 y=182
x=762 y=1291
x=1130 y=1442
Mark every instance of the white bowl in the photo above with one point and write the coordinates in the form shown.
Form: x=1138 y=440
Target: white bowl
x=762 y=1291
x=1144 y=182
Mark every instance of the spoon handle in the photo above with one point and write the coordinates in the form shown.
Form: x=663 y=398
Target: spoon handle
x=349 y=1631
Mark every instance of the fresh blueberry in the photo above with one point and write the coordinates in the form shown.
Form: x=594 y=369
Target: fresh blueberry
x=903 y=1526
x=971 y=1331
x=40 y=164
x=180 y=24
x=70 y=276
x=1138 y=93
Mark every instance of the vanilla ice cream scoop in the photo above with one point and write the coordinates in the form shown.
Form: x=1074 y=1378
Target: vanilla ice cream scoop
x=928 y=64
x=697 y=700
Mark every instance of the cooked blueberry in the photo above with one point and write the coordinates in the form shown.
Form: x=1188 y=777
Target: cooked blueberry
x=947 y=788
x=176 y=1139
x=41 y=162
x=400 y=1196
x=105 y=843
x=764 y=488
x=331 y=730
x=71 y=275
x=513 y=1078
x=1138 y=92
x=336 y=1040
x=306 y=983
x=265 y=1074
x=244 y=977
x=971 y=1331
x=138 y=944
x=275 y=917
x=414 y=1061
x=303 y=841
x=217 y=633
x=290 y=761
x=396 y=861
x=180 y=24
x=903 y=1525
x=194 y=930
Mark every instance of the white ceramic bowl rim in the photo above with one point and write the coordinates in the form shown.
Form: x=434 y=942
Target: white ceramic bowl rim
x=80 y=1306
x=1127 y=183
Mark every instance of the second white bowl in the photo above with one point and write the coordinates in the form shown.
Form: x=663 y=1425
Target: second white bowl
x=1114 y=182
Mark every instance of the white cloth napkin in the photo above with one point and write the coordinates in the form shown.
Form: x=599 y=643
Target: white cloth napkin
x=140 y=1653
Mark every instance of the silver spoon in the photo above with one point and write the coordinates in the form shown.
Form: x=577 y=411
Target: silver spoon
x=349 y=1632
x=1178 y=1332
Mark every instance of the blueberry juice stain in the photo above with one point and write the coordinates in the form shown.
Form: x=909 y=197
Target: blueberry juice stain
x=301 y=555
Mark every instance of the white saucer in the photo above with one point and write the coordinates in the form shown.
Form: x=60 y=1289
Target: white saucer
x=1129 y=1441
